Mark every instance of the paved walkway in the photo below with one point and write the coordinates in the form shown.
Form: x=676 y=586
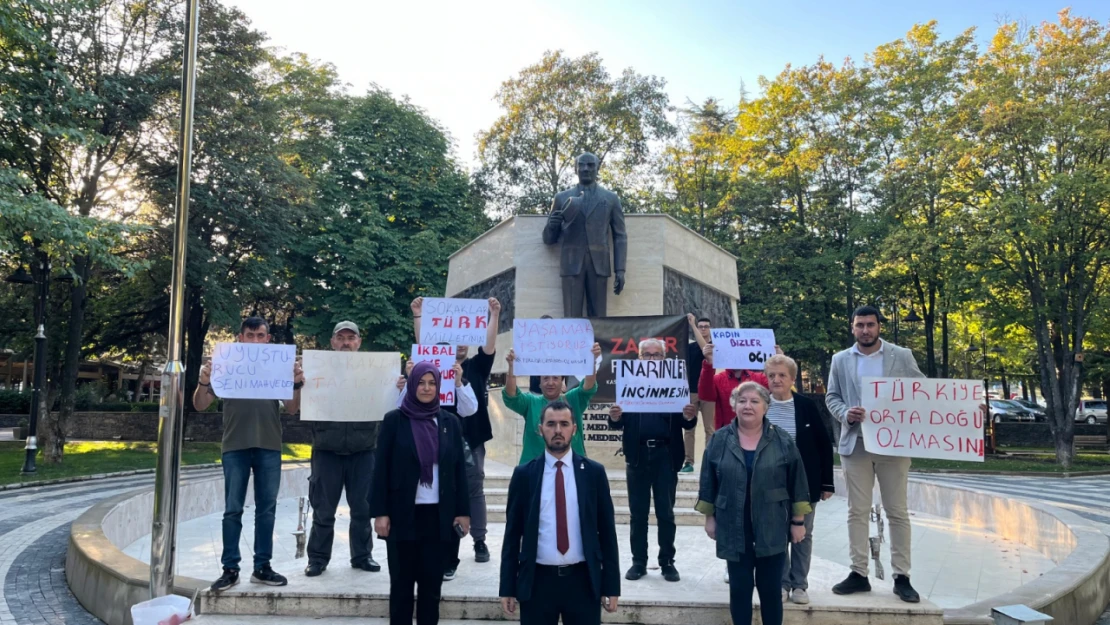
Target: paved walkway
x=34 y=530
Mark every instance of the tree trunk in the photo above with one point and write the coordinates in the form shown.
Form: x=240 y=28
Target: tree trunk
x=196 y=329
x=944 y=344
x=54 y=428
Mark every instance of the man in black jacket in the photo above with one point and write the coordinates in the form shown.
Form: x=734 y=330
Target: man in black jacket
x=560 y=554
x=342 y=458
x=654 y=451
x=800 y=417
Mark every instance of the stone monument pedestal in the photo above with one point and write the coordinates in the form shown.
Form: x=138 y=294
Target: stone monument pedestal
x=671 y=270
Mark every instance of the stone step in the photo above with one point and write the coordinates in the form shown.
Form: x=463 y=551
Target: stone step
x=682 y=516
x=687 y=482
x=685 y=499
x=287 y=607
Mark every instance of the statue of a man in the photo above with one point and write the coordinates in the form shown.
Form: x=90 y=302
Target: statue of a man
x=583 y=217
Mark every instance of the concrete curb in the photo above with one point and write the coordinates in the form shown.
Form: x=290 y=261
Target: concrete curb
x=1063 y=475
x=100 y=476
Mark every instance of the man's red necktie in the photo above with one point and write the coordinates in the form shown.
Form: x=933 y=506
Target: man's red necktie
x=561 y=534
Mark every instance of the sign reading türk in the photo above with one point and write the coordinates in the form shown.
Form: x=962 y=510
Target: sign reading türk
x=454 y=321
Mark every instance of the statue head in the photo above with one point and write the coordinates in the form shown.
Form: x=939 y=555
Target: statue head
x=587 y=167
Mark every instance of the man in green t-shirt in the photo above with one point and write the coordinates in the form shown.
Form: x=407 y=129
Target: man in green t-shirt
x=251 y=445
x=530 y=406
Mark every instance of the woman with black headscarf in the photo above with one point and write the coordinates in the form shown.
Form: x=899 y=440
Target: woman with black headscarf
x=419 y=496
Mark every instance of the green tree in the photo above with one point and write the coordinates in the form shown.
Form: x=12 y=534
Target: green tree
x=698 y=170
x=80 y=80
x=1037 y=113
x=557 y=109
x=395 y=205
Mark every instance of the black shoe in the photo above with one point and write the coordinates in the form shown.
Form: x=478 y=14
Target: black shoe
x=670 y=573
x=854 y=583
x=636 y=572
x=449 y=575
x=368 y=565
x=314 y=569
x=904 y=591
x=481 y=551
x=266 y=575
x=227 y=580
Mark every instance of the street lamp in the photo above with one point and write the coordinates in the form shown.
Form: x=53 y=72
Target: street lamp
x=21 y=276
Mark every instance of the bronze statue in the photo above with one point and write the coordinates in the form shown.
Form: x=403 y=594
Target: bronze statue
x=582 y=217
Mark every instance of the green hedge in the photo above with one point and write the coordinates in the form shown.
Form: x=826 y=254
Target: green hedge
x=15 y=402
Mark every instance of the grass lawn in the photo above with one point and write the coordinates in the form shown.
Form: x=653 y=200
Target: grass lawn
x=1045 y=462
x=92 y=457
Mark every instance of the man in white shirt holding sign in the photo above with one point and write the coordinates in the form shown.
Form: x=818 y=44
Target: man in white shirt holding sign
x=871 y=357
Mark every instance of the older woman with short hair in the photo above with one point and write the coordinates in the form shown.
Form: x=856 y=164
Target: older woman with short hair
x=752 y=483
x=801 y=418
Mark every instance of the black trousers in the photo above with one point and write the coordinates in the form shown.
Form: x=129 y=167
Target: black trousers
x=653 y=475
x=331 y=474
x=765 y=575
x=586 y=287
x=570 y=596
x=417 y=563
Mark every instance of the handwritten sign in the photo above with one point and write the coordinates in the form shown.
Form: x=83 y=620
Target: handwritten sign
x=253 y=371
x=742 y=348
x=443 y=357
x=924 y=418
x=553 y=347
x=349 y=386
x=454 y=321
x=652 y=385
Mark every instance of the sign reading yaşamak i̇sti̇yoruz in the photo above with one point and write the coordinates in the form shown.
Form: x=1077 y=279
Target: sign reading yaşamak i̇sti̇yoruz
x=454 y=321
x=652 y=385
x=553 y=347
x=443 y=357
x=253 y=371
x=349 y=386
x=924 y=418
x=742 y=348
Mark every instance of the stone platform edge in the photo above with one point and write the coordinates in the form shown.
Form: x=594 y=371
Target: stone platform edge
x=107 y=582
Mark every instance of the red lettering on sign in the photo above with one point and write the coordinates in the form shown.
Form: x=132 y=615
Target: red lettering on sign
x=876 y=387
x=917 y=440
x=917 y=389
x=899 y=391
x=879 y=436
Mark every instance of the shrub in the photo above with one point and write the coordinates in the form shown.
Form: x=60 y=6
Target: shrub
x=15 y=402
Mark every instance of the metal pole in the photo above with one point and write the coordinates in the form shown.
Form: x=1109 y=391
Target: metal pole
x=43 y=283
x=163 y=535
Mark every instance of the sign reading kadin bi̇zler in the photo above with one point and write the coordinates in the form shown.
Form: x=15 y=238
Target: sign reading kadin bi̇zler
x=742 y=348
x=924 y=418
x=253 y=371
x=553 y=347
x=443 y=357
x=652 y=385
x=454 y=321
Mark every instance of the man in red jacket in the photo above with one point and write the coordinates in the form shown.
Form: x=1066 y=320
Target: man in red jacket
x=718 y=388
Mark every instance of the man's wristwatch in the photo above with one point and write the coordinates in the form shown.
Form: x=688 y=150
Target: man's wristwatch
x=797 y=523
x=297 y=386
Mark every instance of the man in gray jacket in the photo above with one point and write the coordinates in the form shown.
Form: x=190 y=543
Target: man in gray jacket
x=871 y=357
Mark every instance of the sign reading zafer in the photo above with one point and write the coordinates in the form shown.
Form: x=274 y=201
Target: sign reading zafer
x=924 y=418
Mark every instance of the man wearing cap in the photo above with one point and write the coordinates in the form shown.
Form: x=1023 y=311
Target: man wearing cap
x=342 y=458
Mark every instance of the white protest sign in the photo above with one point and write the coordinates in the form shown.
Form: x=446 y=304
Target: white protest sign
x=652 y=385
x=924 y=418
x=742 y=348
x=553 y=347
x=454 y=321
x=443 y=357
x=349 y=386
x=253 y=371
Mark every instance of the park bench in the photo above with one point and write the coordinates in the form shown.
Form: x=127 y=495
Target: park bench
x=1091 y=441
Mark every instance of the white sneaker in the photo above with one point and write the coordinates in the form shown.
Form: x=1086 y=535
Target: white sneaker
x=800 y=596
x=785 y=595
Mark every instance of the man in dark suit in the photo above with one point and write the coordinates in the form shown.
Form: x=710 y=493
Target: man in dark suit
x=654 y=450
x=559 y=558
x=582 y=217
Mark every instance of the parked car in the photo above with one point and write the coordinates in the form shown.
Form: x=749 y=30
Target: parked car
x=1091 y=411
x=1004 y=410
x=1032 y=407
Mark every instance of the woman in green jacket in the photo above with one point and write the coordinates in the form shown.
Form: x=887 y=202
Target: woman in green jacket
x=753 y=488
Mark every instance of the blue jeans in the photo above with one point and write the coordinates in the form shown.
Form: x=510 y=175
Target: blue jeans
x=238 y=465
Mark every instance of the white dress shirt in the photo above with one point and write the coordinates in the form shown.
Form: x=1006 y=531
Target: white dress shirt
x=868 y=365
x=466 y=403
x=547 y=547
x=429 y=494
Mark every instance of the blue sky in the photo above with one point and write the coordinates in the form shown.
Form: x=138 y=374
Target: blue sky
x=450 y=56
